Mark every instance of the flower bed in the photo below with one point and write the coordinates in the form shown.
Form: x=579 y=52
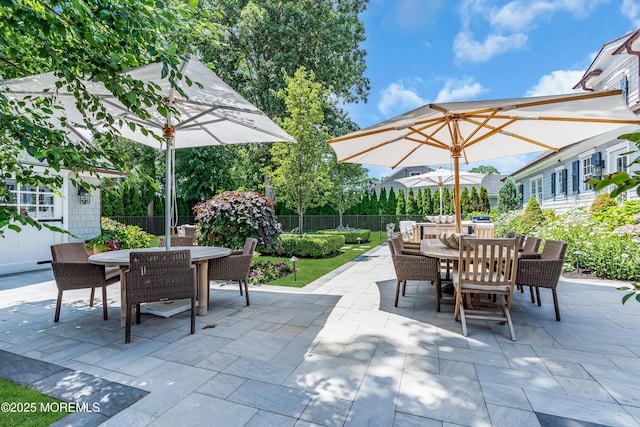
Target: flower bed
x=264 y=272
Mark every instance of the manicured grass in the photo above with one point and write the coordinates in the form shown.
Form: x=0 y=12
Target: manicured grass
x=23 y=406
x=309 y=269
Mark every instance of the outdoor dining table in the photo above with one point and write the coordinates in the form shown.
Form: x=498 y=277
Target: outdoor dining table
x=200 y=256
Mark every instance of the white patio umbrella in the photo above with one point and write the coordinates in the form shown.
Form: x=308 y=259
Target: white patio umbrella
x=440 y=177
x=210 y=112
x=482 y=130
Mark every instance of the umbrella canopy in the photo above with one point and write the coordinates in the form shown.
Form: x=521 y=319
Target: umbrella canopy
x=440 y=177
x=209 y=112
x=483 y=130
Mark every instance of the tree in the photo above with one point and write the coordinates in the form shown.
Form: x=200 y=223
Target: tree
x=349 y=185
x=436 y=203
x=474 y=200
x=508 y=199
x=392 y=202
x=411 y=206
x=427 y=202
x=82 y=41
x=447 y=204
x=373 y=203
x=465 y=202
x=419 y=201
x=485 y=206
x=401 y=208
x=382 y=201
x=487 y=170
x=300 y=177
x=532 y=217
x=205 y=171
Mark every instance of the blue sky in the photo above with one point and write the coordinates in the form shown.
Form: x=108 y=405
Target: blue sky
x=422 y=51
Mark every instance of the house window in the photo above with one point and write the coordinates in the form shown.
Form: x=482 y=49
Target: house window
x=621 y=163
x=414 y=173
x=587 y=173
x=536 y=189
x=37 y=202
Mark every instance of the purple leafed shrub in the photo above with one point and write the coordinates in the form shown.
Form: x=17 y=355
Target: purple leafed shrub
x=231 y=216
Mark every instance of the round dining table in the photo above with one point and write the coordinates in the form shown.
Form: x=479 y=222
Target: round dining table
x=200 y=256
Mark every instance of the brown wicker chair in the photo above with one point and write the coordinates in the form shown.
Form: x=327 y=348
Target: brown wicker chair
x=485 y=266
x=72 y=270
x=159 y=276
x=234 y=267
x=543 y=270
x=176 y=241
x=413 y=267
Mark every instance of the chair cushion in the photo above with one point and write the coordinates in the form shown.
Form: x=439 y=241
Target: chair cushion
x=111 y=272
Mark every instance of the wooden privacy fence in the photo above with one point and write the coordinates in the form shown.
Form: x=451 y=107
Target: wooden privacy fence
x=155 y=224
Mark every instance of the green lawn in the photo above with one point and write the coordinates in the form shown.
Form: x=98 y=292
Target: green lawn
x=309 y=269
x=22 y=406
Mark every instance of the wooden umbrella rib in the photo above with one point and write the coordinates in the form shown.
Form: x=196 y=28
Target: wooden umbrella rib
x=435 y=143
x=413 y=150
x=581 y=96
x=588 y=120
x=368 y=150
x=360 y=135
x=479 y=126
x=500 y=129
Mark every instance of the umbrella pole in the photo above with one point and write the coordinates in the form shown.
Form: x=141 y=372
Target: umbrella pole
x=440 y=192
x=167 y=197
x=456 y=191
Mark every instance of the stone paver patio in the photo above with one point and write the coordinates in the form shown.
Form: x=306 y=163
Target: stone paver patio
x=334 y=353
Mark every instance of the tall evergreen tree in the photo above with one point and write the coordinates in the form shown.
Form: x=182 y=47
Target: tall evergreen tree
x=106 y=203
x=465 y=203
x=373 y=203
x=401 y=204
x=427 y=202
x=508 y=199
x=391 y=202
x=474 y=200
x=447 y=206
x=436 y=203
x=382 y=201
x=419 y=200
x=411 y=206
x=485 y=206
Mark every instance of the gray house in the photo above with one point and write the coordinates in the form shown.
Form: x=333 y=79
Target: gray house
x=557 y=179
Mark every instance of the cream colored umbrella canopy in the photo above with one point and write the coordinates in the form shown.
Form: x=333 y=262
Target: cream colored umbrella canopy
x=440 y=177
x=482 y=130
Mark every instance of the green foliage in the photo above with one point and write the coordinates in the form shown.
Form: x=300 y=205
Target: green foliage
x=508 y=199
x=203 y=171
x=485 y=206
x=309 y=245
x=382 y=202
x=117 y=205
x=603 y=202
x=350 y=236
x=349 y=185
x=106 y=203
x=82 y=41
x=401 y=208
x=634 y=291
x=265 y=272
x=24 y=396
x=487 y=170
x=411 y=205
x=474 y=200
x=532 y=218
x=230 y=217
x=436 y=203
x=508 y=223
x=419 y=201
x=115 y=235
x=306 y=160
x=465 y=202
x=391 y=202
x=427 y=202
x=616 y=216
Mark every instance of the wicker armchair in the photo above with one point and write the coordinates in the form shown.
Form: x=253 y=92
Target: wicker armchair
x=413 y=267
x=176 y=241
x=159 y=276
x=72 y=270
x=234 y=267
x=543 y=270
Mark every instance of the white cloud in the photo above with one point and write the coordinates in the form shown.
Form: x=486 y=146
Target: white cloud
x=397 y=97
x=631 y=10
x=459 y=90
x=467 y=49
x=556 y=83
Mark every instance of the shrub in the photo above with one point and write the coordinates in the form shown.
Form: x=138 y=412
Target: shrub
x=115 y=235
x=532 y=218
x=602 y=203
x=264 y=272
x=507 y=223
x=350 y=236
x=229 y=218
x=309 y=245
x=615 y=216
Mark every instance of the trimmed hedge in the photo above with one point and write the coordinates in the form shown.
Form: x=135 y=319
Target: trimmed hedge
x=350 y=236
x=308 y=245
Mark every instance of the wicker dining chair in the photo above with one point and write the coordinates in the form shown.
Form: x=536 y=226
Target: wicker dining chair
x=413 y=267
x=158 y=276
x=71 y=270
x=176 y=241
x=543 y=270
x=485 y=266
x=234 y=267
